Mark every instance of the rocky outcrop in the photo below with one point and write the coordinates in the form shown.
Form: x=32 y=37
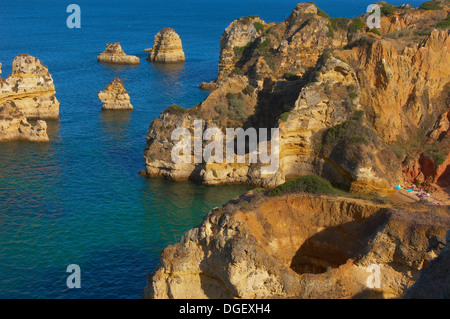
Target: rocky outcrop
x=319 y=135
x=351 y=106
x=235 y=38
x=31 y=88
x=27 y=94
x=433 y=281
x=403 y=18
x=14 y=126
x=114 y=54
x=300 y=246
x=167 y=47
x=115 y=96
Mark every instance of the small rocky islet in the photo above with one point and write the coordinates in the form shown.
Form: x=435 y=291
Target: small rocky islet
x=114 y=54
x=167 y=47
x=364 y=108
x=115 y=96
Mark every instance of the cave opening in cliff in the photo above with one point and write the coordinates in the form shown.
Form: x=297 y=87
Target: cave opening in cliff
x=329 y=248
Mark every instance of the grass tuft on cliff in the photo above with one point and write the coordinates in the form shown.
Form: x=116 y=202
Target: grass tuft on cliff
x=308 y=184
x=445 y=24
x=236 y=107
x=430 y=5
x=258 y=26
x=175 y=109
x=387 y=9
x=356 y=25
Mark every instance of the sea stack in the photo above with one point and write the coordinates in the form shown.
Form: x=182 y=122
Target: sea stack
x=167 y=47
x=115 y=96
x=31 y=88
x=28 y=93
x=114 y=54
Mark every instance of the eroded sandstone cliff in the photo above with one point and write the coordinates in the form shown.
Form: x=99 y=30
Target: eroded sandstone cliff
x=300 y=246
x=351 y=105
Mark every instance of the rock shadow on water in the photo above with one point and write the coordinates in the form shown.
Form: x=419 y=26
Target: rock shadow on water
x=115 y=122
x=169 y=74
x=118 y=68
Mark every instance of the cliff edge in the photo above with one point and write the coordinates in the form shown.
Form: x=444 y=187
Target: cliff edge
x=300 y=246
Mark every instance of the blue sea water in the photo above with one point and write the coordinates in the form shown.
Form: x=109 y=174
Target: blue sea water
x=79 y=199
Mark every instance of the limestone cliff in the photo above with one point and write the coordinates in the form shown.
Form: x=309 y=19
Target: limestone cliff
x=300 y=246
x=28 y=93
x=114 y=54
x=115 y=96
x=167 y=47
x=351 y=105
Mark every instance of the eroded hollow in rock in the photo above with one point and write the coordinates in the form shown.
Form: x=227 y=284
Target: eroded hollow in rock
x=311 y=236
x=331 y=247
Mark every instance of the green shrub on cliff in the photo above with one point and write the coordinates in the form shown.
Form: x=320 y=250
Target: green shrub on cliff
x=258 y=26
x=284 y=116
x=291 y=76
x=236 y=107
x=430 y=5
x=387 y=9
x=264 y=46
x=249 y=89
x=356 y=25
x=175 y=109
x=350 y=132
x=340 y=23
x=445 y=24
x=330 y=32
x=222 y=109
x=247 y=19
x=322 y=14
x=375 y=31
x=308 y=184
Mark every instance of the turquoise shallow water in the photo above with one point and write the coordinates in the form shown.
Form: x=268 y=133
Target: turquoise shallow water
x=79 y=199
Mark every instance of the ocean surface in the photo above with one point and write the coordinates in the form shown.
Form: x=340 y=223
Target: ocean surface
x=79 y=199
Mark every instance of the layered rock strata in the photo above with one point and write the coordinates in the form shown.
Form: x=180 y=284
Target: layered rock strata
x=27 y=94
x=14 y=126
x=115 y=96
x=114 y=54
x=318 y=80
x=167 y=47
x=300 y=246
x=30 y=86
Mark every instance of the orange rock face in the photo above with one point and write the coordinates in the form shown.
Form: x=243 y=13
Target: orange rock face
x=299 y=246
